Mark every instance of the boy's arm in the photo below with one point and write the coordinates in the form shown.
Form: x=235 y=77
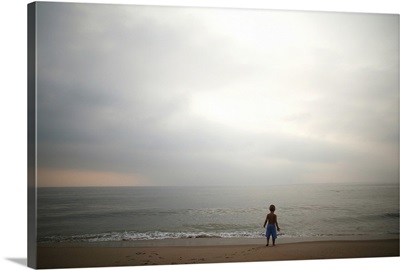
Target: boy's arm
x=276 y=222
x=266 y=219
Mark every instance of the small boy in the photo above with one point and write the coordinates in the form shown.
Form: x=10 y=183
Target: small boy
x=272 y=220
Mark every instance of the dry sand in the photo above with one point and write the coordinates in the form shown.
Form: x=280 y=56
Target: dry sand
x=75 y=257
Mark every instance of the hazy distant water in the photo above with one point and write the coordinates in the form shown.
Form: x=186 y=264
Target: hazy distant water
x=133 y=213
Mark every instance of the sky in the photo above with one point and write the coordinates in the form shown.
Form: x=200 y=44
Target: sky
x=135 y=95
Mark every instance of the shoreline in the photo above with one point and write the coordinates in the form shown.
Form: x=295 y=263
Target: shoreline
x=212 y=241
x=59 y=256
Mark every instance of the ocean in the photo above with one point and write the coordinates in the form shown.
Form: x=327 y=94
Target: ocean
x=108 y=214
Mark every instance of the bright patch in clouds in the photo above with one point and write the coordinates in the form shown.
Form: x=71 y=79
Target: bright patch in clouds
x=243 y=110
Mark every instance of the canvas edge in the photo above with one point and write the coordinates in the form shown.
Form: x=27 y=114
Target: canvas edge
x=31 y=129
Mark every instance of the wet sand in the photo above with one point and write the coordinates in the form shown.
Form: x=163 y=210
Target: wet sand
x=59 y=256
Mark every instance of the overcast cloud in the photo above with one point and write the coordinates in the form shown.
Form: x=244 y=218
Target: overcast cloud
x=135 y=95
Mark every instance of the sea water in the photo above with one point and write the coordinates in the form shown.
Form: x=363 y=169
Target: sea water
x=102 y=214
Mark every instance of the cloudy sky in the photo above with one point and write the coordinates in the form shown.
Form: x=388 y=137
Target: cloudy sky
x=135 y=95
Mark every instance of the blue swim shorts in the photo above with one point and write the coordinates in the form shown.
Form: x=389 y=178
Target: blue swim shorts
x=271 y=229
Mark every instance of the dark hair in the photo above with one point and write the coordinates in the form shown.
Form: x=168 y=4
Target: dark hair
x=272 y=208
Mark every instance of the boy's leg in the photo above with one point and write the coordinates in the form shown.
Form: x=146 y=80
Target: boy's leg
x=273 y=236
x=267 y=241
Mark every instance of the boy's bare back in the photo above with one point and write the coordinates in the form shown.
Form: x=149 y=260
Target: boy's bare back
x=271 y=218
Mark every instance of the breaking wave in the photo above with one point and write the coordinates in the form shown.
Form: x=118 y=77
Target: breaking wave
x=156 y=235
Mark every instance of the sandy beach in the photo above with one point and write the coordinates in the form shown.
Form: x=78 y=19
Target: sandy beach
x=59 y=256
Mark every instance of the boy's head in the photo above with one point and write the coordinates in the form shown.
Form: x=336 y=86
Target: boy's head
x=272 y=208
